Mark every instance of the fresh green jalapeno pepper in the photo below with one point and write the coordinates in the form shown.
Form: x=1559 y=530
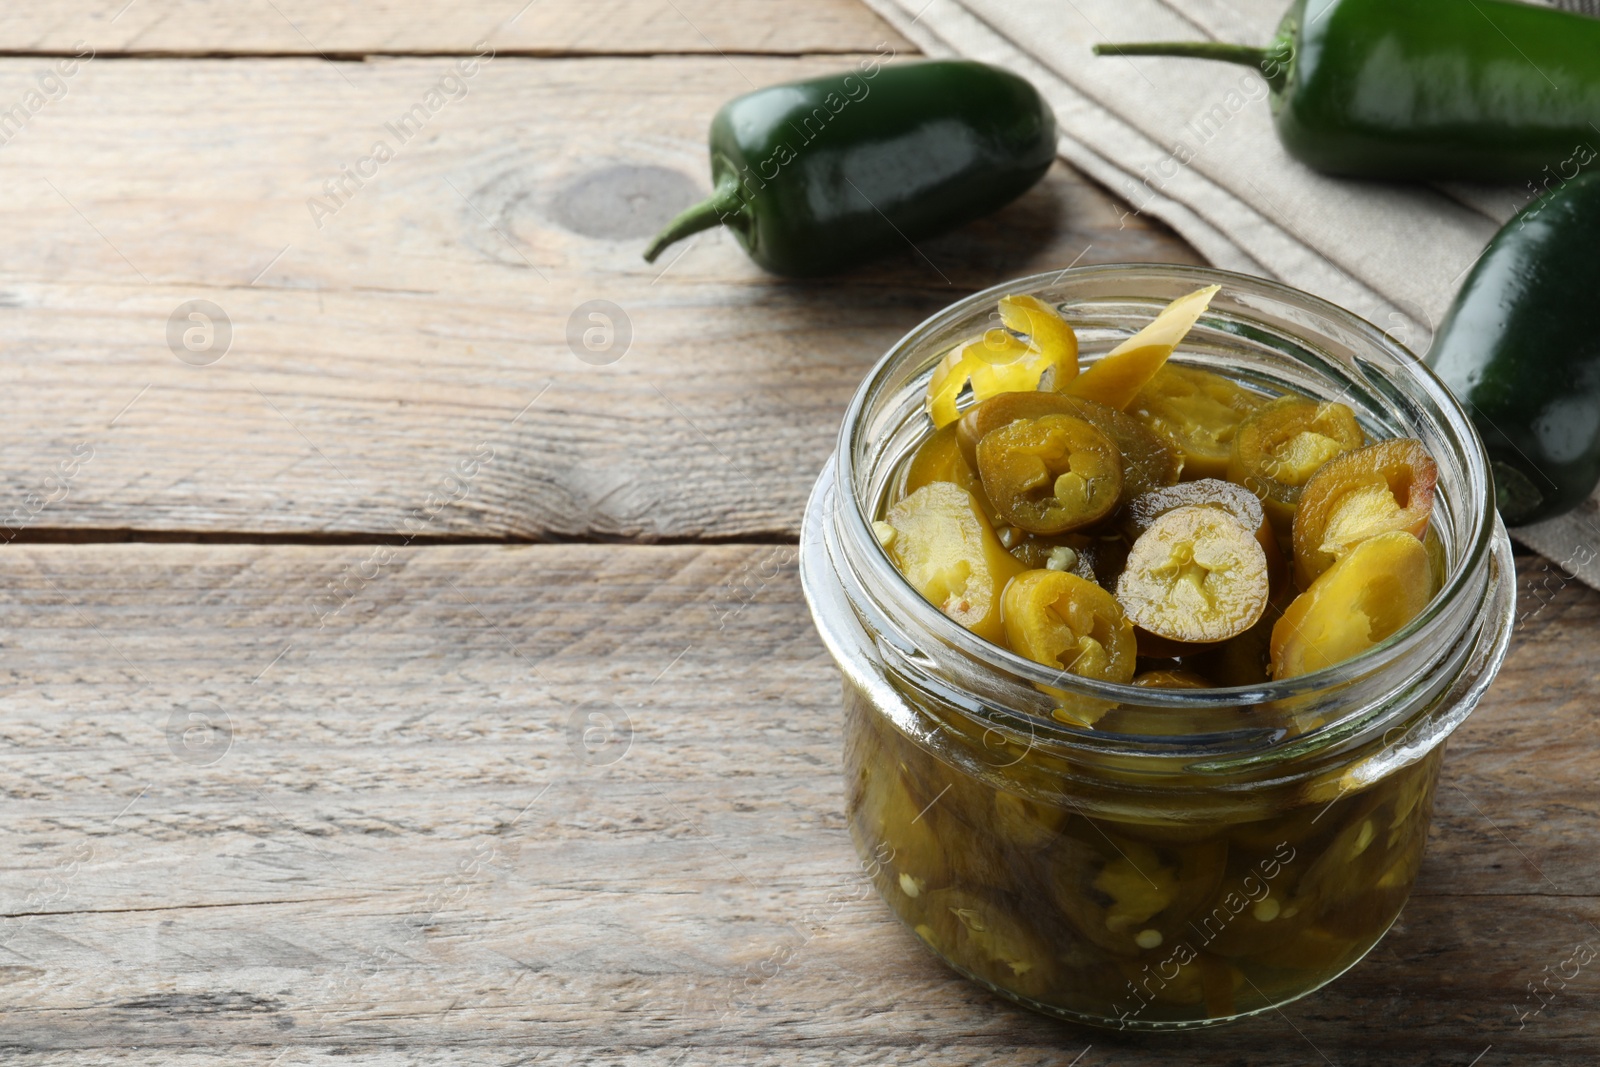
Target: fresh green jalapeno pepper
x=1420 y=89
x=814 y=176
x=1520 y=350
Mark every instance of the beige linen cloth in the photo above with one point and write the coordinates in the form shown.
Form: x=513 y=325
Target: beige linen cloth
x=1191 y=143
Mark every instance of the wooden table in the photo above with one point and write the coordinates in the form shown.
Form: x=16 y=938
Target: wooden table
x=388 y=682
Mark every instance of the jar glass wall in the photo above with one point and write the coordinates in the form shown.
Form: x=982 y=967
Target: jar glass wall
x=1199 y=854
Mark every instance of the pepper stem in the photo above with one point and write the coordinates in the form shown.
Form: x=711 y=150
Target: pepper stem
x=712 y=211
x=1245 y=55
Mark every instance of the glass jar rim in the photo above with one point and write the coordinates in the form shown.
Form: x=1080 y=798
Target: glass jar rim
x=1464 y=571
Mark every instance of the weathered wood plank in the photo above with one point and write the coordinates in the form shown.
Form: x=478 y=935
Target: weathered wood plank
x=371 y=356
x=557 y=27
x=408 y=855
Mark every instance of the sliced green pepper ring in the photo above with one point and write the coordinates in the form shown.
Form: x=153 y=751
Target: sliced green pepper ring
x=1128 y=896
x=1050 y=475
x=1064 y=621
x=939 y=459
x=895 y=813
x=1376 y=588
x=1196 y=575
x=989 y=939
x=943 y=546
x=1069 y=623
x=1048 y=333
x=1198 y=413
x=995 y=363
x=1148 y=462
x=1238 y=501
x=1372 y=490
x=1279 y=447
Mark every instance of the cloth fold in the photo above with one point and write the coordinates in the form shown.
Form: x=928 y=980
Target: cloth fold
x=1192 y=143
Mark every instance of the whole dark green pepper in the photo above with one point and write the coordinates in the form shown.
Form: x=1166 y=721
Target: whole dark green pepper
x=1486 y=90
x=815 y=176
x=1520 y=348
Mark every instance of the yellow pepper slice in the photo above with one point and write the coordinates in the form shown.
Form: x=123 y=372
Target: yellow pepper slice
x=1119 y=892
x=947 y=550
x=1068 y=622
x=1371 y=592
x=940 y=459
x=1198 y=413
x=1355 y=495
x=996 y=357
x=1000 y=362
x=1119 y=375
x=1048 y=333
x=1282 y=444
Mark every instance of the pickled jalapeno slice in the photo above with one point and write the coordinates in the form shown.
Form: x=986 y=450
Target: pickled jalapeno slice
x=1196 y=575
x=1128 y=896
x=1372 y=490
x=940 y=459
x=1026 y=823
x=1048 y=334
x=1370 y=593
x=1238 y=501
x=1198 y=413
x=1116 y=378
x=940 y=542
x=1147 y=461
x=1279 y=447
x=987 y=938
x=1071 y=624
x=998 y=361
x=1001 y=362
x=1050 y=475
x=897 y=815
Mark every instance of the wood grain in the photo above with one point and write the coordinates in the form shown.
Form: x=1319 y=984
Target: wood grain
x=372 y=355
x=554 y=27
x=531 y=804
x=409 y=854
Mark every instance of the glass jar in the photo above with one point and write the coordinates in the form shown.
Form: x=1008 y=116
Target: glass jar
x=1222 y=851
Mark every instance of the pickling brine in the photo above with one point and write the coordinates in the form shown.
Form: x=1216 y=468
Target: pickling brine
x=1138 y=918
